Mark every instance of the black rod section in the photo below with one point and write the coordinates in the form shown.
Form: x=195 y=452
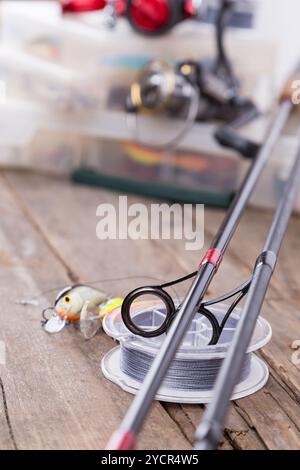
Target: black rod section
x=209 y=432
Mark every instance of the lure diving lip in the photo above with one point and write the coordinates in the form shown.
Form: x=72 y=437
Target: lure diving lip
x=90 y=322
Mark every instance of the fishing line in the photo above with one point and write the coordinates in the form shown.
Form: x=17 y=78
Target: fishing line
x=194 y=369
x=93 y=283
x=183 y=374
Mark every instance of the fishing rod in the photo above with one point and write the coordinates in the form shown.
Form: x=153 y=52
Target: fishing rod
x=209 y=432
x=125 y=437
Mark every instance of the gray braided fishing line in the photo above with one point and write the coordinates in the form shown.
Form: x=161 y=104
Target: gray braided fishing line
x=183 y=374
x=186 y=374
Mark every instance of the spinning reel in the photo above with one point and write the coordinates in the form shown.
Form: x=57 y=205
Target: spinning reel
x=208 y=89
x=161 y=88
x=149 y=17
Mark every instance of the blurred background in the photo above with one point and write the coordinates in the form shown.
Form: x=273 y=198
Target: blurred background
x=127 y=96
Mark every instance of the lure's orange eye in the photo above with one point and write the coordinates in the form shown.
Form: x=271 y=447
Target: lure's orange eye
x=67 y=299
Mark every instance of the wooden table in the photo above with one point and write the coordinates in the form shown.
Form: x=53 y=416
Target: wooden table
x=53 y=395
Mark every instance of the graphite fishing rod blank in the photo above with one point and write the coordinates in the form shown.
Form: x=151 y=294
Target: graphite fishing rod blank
x=209 y=432
x=126 y=435
x=192 y=374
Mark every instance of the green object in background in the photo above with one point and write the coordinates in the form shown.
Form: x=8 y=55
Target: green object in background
x=172 y=193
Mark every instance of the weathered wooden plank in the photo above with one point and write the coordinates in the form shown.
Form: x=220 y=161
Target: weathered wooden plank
x=155 y=258
x=167 y=260
x=6 y=432
x=56 y=397
x=274 y=415
x=188 y=417
x=238 y=433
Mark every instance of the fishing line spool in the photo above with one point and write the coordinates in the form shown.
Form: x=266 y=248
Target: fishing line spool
x=192 y=374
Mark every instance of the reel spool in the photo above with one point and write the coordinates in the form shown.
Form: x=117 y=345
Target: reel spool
x=159 y=87
x=192 y=374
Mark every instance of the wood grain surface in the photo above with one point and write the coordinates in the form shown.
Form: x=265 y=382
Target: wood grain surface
x=52 y=393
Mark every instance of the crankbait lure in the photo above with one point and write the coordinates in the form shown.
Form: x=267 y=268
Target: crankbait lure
x=76 y=303
x=83 y=305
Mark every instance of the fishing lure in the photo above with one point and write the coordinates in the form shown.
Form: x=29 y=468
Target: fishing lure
x=82 y=305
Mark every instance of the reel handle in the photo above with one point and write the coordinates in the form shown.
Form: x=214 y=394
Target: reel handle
x=229 y=138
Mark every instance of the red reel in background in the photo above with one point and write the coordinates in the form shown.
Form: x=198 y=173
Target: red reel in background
x=155 y=17
x=150 y=17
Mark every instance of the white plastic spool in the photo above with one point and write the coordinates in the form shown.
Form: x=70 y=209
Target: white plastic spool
x=193 y=347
